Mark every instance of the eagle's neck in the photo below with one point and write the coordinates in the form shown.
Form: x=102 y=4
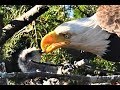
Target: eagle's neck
x=93 y=39
x=95 y=42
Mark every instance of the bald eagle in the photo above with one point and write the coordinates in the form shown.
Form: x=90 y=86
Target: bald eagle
x=98 y=34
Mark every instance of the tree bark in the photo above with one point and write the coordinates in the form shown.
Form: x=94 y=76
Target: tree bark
x=21 y=21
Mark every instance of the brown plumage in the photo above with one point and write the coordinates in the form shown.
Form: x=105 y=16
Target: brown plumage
x=108 y=17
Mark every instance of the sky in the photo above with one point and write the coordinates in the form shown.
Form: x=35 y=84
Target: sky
x=70 y=12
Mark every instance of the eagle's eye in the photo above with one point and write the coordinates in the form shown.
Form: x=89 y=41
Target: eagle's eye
x=67 y=36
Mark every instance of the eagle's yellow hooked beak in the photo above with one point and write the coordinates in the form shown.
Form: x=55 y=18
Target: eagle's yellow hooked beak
x=52 y=41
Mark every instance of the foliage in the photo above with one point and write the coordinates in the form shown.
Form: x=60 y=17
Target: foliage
x=15 y=43
x=12 y=11
x=101 y=64
x=84 y=10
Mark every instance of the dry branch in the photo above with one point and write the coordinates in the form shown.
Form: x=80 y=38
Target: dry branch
x=21 y=21
x=83 y=79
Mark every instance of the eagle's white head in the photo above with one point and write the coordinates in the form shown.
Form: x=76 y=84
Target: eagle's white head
x=82 y=34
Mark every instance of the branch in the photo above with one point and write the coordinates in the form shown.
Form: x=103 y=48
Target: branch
x=21 y=21
x=81 y=78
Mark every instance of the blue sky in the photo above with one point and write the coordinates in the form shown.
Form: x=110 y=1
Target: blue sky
x=69 y=11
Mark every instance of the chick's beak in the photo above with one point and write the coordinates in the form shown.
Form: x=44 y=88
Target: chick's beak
x=52 y=41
